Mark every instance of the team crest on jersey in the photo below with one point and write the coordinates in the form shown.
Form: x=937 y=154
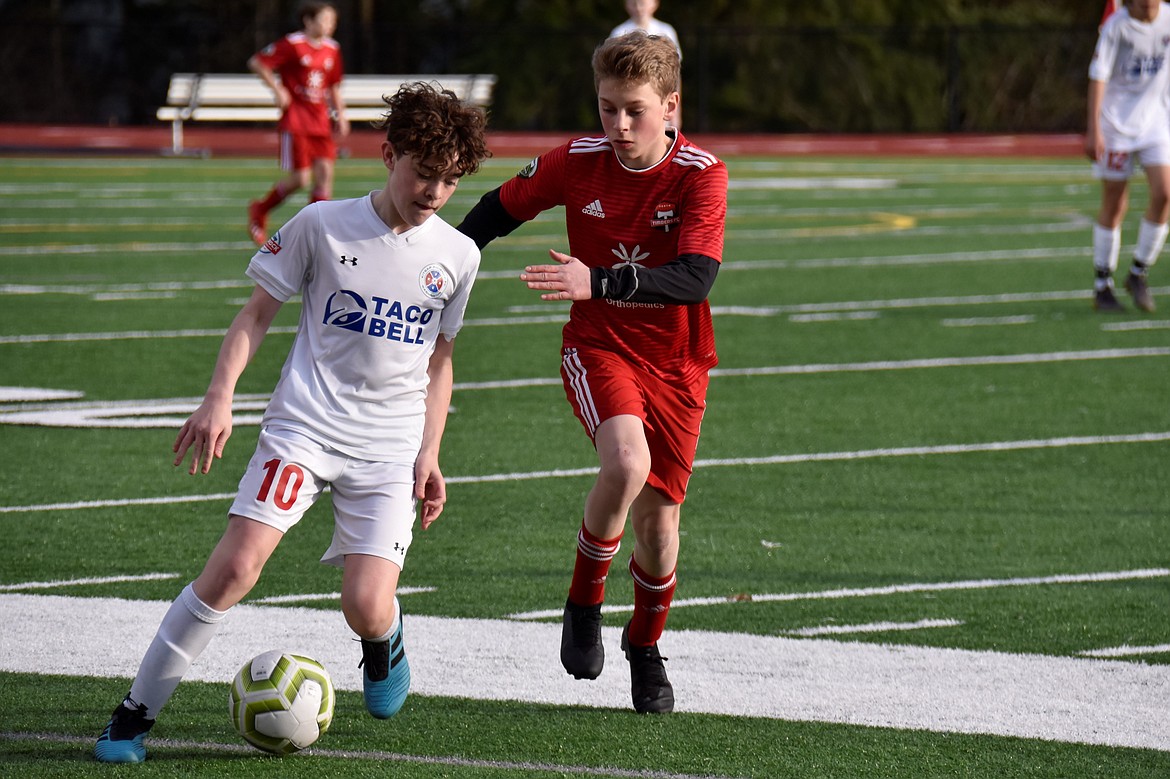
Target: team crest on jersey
x=529 y=170
x=435 y=282
x=665 y=216
x=272 y=245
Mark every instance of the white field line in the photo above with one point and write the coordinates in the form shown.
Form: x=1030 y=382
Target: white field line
x=1128 y=651
x=1151 y=324
x=946 y=362
x=172 y=412
x=1074 y=700
x=869 y=592
x=834 y=316
x=308 y=597
x=989 y=321
x=57 y=584
x=382 y=757
x=873 y=627
x=867 y=307
x=860 y=309
x=728 y=266
x=783 y=459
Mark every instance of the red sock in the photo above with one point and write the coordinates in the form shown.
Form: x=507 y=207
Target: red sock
x=317 y=195
x=275 y=197
x=592 y=566
x=652 y=597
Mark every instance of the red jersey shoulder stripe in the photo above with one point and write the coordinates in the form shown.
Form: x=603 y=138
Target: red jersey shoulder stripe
x=588 y=145
x=691 y=155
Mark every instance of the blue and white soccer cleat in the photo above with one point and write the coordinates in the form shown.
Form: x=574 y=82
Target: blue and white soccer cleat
x=121 y=741
x=385 y=673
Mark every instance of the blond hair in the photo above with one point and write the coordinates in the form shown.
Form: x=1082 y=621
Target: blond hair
x=638 y=58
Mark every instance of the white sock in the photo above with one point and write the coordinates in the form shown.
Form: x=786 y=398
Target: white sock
x=1106 y=249
x=184 y=633
x=1151 y=239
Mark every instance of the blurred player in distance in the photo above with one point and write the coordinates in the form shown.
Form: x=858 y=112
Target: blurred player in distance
x=642 y=18
x=1129 y=124
x=1111 y=7
x=361 y=404
x=645 y=212
x=304 y=71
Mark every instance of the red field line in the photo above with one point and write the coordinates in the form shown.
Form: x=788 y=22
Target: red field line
x=220 y=141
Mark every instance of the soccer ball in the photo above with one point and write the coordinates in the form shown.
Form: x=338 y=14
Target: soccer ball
x=281 y=702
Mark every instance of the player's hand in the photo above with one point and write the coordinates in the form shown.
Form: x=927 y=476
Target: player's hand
x=1094 y=146
x=569 y=280
x=283 y=97
x=343 y=126
x=431 y=491
x=205 y=433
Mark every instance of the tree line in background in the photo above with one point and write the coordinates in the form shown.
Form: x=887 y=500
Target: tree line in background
x=748 y=65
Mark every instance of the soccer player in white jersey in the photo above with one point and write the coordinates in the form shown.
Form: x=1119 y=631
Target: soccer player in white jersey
x=645 y=212
x=1129 y=123
x=642 y=18
x=361 y=404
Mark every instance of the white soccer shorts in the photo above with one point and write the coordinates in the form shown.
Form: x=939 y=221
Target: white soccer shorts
x=1120 y=165
x=373 y=502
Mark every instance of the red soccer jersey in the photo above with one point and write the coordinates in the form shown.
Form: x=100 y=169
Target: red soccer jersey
x=308 y=72
x=615 y=215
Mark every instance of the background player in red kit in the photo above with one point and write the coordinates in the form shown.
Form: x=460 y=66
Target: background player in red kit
x=645 y=213
x=304 y=71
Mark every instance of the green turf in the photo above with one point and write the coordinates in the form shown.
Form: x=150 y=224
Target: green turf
x=980 y=261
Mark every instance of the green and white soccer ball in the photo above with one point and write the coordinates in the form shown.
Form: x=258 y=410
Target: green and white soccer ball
x=281 y=702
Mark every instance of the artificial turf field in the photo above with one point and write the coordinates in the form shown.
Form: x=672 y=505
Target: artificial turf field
x=926 y=535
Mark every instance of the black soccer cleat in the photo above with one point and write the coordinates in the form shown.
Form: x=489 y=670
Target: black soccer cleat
x=582 y=654
x=652 y=691
x=1139 y=290
x=1105 y=301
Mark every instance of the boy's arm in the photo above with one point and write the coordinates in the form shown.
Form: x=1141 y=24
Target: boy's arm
x=429 y=486
x=339 y=109
x=268 y=76
x=488 y=220
x=1094 y=141
x=208 y=429
x=683 y=281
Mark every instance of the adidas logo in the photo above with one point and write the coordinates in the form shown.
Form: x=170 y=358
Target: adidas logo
x=594 y=209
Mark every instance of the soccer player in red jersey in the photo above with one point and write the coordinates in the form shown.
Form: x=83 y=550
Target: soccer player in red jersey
x=304 y=71
x=1111 y=7
x=645 y=212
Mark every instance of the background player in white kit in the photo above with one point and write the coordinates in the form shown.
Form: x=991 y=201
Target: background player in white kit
x=361 y=403
x=1129 y=121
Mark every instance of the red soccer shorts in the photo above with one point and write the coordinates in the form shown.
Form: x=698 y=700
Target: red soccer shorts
x=600 y=385
x=298 y=152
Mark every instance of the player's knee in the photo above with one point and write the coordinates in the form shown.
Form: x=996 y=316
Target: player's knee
x=625 y=464
x=369 y=615
x=230 y=581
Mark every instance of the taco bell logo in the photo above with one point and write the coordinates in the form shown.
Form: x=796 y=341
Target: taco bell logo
x=347 y=310
x=388 y=319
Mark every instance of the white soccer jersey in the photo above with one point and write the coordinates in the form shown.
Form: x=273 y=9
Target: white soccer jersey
x=1131 y=58
x=373 y=303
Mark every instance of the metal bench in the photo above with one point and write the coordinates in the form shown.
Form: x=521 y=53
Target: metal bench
x=243 y=97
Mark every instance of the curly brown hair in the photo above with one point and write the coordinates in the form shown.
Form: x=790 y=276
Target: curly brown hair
x=429 y=123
